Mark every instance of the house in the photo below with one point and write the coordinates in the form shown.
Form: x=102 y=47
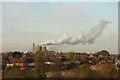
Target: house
x=22 y=63
x=92 y=67
x=118 y=64
x=111 y=60
x=100 y=56
x=30 y=56
x=10 y=57
x=18 y=62
x=30 y=63
x=9 y=64
x=91 y=56
x=101 y=60
x=49 y=61
x=53 y=52
x=24 y=56
x=89 y=59
x=47 y=52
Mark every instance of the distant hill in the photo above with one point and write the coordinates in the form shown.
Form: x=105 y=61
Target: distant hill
x=103 y=52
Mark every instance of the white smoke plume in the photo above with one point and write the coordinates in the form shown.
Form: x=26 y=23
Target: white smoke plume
x=82 y=37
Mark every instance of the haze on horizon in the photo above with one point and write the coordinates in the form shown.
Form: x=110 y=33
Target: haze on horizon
x=28 y=23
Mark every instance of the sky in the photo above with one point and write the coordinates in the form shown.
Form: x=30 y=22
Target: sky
x=0 y=27
x=59 y=0
x=25 y=23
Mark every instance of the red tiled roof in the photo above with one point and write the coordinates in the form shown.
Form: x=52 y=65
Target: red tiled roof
x=92 y=66
x=47 y=52
x=18 y=61
x=52 y=52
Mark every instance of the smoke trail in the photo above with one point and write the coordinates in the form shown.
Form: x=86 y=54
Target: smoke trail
x=82 y=37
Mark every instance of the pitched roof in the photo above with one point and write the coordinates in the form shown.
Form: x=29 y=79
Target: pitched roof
x=51 y=51
x=18 y=60
x=92 y=66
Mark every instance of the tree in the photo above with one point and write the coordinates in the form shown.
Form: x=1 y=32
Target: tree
x=70 y=55
x=14 y=54
x=7 y=54
x=56 y=66
x=108 y=70
x=71 y=66
x=103 y=52
x=39 y=66
x=7 y=68
x=85 y=61
x=12 y=72
x=28 y=73
x=84 y=72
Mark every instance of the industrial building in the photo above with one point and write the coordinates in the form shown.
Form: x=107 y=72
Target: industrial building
x=37 y=48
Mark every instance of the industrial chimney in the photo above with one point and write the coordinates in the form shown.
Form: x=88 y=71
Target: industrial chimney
x=33 y=48
x=44 y=48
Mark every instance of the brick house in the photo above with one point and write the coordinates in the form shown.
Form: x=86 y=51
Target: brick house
x=22 y=63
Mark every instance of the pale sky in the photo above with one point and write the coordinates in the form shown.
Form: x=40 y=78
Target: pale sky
x=0 y=27
x=26 y=23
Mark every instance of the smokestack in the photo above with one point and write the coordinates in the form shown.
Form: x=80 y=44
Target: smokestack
x=82 y=37
x=33 y=48
x=44 y=48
